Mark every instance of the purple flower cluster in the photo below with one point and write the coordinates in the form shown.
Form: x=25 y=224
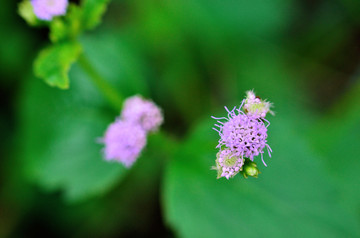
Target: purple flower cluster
x=243 y=135
x=124 y=142
x=142 y=112
x=47 y=9
x=126 y=137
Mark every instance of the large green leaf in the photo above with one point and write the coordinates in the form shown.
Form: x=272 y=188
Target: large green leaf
x=336 y=137
x=61 y=128
x=60 y=141
x=54 y=62
x=293 y=197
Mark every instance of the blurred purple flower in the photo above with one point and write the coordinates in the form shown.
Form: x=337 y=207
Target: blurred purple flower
x=244 y=135
x=142 y=112
x=124 y=142
x=47 y=9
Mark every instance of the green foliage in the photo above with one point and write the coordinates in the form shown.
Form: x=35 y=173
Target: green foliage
x=92 y=12
x=54 y=62
x=67 y=27
x=26 y=11
x=335 y=136
x=192 y=58
x=78 y=18
x=294 y=196
x=61 y=150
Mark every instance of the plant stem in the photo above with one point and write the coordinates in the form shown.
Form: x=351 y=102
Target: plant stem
x=114 y=97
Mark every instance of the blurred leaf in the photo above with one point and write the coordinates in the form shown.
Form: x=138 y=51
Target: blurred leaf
x=53 y=63
x=137 y=194
x=60 y=128
x=117 y=59
x=27 y=13
x=93 y=11
x=257 y=17
x=294 y=196
x=60 y=141
x=353 y=9
x=68 y=27
x=336 y=137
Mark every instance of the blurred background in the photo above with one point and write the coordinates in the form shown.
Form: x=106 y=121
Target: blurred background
x=192 y=58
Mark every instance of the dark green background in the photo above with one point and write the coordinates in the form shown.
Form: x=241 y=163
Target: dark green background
x=191 y=58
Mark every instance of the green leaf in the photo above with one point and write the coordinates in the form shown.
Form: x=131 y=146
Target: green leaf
x=26 y=11
x=68 y=27
x=293 y=197
x=118 y=60
x=92 y=12
x=335 y=136
x=60 y=132
x=59 y=129
x=53 y=63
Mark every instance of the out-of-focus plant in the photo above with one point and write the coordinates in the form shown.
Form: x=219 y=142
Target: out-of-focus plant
x=190 y=57
x=66 y=22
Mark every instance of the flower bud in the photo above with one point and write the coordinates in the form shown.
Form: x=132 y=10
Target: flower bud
x=256 y=107
x=250 y=169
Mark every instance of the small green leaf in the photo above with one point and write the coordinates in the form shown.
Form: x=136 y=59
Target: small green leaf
x=53 y=63
x=92 y=12
x=26 y=11
x=68 y=27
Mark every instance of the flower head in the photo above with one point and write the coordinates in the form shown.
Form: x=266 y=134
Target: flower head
x=47 y=9
x=250 y=169
x=228 y=164
x=243 y=136
x=143 y=112
x=124 y=142
x=256 y=107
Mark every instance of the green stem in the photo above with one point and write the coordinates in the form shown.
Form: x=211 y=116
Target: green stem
x=114 y=97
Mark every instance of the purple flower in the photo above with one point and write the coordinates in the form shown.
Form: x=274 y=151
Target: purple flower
x=124 y=141
x=228 y=164
x=47 y=9
x=126 y=137
x=142 y=112
x=244 y=135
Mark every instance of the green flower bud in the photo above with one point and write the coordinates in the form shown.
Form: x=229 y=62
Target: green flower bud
x=250 y=169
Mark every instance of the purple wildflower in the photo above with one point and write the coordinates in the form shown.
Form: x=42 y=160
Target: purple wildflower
x=228 y=164
x=143 y=112
x=47 y=9
x=124 y=142
x=242 y=134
